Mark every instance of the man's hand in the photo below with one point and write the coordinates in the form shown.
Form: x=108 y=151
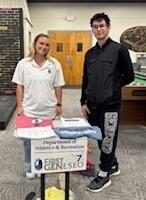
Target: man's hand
x=85 y=111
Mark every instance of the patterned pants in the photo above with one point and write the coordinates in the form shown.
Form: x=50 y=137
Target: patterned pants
x=107 y=118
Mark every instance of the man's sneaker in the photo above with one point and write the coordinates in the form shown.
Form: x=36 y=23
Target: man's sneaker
x=98 y=184
x=30 y=196
x=114 y=171
x=30 y=175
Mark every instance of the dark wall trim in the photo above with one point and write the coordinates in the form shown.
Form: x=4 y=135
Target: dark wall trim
x=21 y=33
x=87 y=1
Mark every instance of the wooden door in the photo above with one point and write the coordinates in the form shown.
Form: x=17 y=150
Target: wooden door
x=69 y=48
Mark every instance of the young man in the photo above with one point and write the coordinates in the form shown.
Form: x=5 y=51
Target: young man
x=107 y=68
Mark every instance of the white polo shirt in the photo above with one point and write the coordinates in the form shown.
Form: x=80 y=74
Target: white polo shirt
x=39 y=98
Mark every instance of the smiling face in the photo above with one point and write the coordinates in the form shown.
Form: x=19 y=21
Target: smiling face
x=42 y=46
x=100 y=29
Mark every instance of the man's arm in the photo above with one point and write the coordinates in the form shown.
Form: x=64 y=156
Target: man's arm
x=126 y=68
x=83 y=99
x=84 y=85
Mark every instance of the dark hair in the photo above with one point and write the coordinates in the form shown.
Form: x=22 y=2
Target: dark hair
x=99 y=17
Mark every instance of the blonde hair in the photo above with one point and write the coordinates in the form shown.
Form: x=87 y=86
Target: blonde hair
x=33 y=50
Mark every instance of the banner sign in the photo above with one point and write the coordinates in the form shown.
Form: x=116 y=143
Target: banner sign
x=58 y=155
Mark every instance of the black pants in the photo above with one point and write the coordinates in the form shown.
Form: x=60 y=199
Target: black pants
x=106 y=117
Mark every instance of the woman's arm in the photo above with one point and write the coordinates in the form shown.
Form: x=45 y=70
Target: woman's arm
x=58 y=93
x=19 y=99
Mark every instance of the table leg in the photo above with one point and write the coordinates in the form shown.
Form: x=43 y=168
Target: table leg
x=42 y=181
x=66 y=185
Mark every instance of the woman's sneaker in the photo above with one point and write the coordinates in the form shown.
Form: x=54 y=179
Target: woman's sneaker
x=98 y=184
x=30 y=175
x=114 y=171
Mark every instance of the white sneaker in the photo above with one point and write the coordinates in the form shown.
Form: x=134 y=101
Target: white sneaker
x=30 y=175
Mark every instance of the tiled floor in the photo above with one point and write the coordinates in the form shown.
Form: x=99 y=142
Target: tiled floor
x=131 y=151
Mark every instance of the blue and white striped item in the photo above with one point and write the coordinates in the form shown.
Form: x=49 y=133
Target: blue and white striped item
x=93 y=132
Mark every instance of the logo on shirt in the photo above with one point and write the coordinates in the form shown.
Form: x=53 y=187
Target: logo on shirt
x=49 y=71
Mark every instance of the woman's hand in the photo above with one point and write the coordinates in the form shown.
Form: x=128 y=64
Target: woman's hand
x=58 y=110
x=20 y=110
x=85 y=111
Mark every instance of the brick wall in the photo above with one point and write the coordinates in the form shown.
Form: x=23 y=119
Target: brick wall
x=11 y=46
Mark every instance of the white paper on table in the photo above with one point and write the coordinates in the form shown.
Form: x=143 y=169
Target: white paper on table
x=74 y=122
x=36 y=132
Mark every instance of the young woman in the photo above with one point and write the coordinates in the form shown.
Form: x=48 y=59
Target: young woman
x=39 y=80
